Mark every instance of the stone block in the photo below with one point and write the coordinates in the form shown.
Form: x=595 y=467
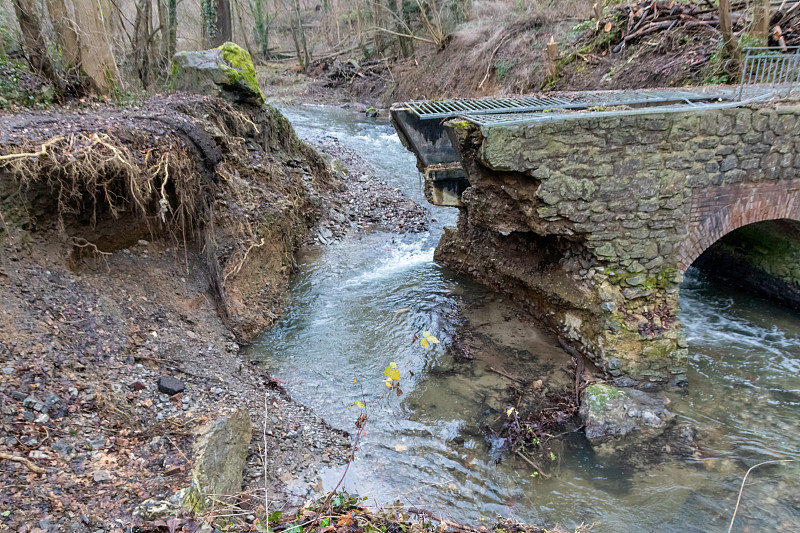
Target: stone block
x=728 y=163
x=760 y=120
x=220 y=456
x=743 y=122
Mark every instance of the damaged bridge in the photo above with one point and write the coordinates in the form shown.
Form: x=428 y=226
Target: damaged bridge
x=589 y=208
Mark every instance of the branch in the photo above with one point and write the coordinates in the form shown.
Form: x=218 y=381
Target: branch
x=410 y=36
x=17 y=459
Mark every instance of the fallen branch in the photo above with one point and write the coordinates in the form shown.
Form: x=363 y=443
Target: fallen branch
x=512 y=378
x=17 y=459
x=534 y=465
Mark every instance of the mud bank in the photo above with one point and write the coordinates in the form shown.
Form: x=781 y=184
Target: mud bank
x=139 y=243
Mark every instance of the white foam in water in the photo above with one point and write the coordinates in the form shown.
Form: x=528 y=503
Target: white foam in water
x=713 y=322
x=403 y=257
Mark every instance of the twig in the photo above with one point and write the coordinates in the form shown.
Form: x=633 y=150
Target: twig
x=264 y=462
x=512 y=378
x=739 y=499
x=17 y=459
x=525 y=458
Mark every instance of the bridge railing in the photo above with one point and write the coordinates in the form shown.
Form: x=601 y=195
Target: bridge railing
x=775 y=68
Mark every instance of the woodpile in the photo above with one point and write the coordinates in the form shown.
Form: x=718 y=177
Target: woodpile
x=631 y=22
x=345 y=72
x=785 y=25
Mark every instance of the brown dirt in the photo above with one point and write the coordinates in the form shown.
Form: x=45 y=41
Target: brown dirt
x=98 y=306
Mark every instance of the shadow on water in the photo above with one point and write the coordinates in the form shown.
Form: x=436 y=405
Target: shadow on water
x=355 y=306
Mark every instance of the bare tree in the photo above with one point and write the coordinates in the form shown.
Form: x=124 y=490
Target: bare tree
x=33 y=39
x=66 y=34
x=97 y=58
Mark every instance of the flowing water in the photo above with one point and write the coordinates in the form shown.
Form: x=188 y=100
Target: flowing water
x=355 y=306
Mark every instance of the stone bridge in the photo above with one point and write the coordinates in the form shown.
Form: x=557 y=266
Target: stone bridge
x=591 y=219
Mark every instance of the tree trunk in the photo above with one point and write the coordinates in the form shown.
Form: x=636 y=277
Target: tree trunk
x=306 y=54
x=141 y=45
x=97 y=59
x=762 y=20
x=396 y=8
x=223 y=31
x=726 y=27
x=64 y=25
x=172 y=25
x=33 y=40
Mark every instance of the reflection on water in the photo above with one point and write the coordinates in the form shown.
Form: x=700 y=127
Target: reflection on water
x=346 y=320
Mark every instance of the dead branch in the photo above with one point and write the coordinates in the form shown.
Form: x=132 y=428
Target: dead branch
x=17 y=459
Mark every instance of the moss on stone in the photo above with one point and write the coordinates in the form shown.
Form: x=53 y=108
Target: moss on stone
x=242 y=64
x=598 y=396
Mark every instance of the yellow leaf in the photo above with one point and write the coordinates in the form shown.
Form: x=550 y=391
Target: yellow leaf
x=388 y=382
x=395 y=374
x=426 y=333
x=433 y=340
x=392 y=365
x=424 y=343
x=509 y=411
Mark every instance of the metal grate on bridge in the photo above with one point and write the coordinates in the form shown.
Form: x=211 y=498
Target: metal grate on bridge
x=439 y=109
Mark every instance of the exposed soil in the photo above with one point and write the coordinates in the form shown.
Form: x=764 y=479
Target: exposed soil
x=102 y=297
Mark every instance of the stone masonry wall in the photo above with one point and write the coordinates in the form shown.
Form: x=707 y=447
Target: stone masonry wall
x=637 y=198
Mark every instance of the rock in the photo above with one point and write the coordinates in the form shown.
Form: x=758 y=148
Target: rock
x=154 y=509
x=608 y=411
x=101 y=476
x=32 y=403
x=226 y=71
x=220 y=457
x=170 y=385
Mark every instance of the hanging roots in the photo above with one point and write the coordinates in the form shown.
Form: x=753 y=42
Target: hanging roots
x=93 y=172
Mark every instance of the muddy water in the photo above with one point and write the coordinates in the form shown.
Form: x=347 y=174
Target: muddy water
x=356 y=306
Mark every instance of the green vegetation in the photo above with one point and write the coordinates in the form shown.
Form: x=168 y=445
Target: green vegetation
x=502 y=67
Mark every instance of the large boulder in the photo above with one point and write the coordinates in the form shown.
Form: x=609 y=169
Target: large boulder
x=226 y=71
x=608 y=411
x=220 y=456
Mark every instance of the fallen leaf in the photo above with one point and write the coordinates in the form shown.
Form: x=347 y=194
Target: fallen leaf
x=400 y=447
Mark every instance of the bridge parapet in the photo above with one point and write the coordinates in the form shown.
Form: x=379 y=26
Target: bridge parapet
x=592 y=221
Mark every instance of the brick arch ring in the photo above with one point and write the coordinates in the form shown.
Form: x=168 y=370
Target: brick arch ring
x=717 y=211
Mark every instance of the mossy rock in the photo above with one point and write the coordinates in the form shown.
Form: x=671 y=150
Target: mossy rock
x=226 y=71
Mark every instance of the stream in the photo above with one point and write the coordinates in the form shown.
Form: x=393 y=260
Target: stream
x=356 y=305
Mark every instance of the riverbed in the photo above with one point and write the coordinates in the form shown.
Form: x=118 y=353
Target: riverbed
x=358 y=305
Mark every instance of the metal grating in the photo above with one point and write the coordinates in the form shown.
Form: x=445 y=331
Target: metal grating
x=438 y=109
x=776 y=68
x=511 y=119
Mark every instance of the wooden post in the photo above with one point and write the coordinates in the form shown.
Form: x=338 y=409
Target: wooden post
x=552 y=57
x=726 y=27
x=598 y=14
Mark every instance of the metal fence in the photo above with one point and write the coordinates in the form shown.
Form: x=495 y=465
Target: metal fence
x=775 y=69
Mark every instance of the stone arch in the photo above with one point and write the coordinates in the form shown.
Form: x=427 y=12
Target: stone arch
x=716 y=211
